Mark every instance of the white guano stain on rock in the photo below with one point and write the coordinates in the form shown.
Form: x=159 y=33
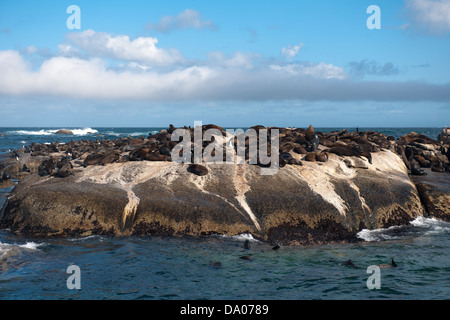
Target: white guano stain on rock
x=126 y=176
x=242 y=187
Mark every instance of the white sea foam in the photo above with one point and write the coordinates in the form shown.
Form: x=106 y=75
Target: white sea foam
x=419 y=226
x=83 y=132
x=377 y=234
x=5 y=247
x=47 y=132
x=31 y=245
x=424 y=222
x=86 y=238
x=241 y=237
x=131 y=134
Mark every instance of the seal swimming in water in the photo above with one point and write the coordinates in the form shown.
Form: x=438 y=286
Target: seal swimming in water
x=346 y=263
x=216 y=264
x=392 y=265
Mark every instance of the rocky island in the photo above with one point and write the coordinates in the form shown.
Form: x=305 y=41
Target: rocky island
x=329 y=186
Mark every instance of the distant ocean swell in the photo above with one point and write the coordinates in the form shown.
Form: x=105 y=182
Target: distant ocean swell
x=47 y=132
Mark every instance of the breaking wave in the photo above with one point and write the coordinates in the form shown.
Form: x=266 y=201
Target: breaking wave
x=417 y=227
x=48 y=132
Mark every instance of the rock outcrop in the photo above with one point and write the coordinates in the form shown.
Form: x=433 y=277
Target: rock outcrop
x=329 y=186
x=313 y=203
x=64 y=131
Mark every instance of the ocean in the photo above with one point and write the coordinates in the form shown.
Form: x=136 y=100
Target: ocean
x=182 y=268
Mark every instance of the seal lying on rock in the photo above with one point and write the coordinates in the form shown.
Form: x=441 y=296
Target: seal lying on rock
x=198 y=169
x=415 y=169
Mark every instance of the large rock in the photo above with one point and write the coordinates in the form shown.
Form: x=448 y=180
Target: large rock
x=313 y=203
x=434 y=191
x=64 y=131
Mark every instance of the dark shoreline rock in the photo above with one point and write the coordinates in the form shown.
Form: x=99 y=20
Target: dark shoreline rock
x=434 y=192
x=64 y=131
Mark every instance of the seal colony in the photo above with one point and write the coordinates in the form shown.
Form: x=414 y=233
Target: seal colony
x=417 y=151
x=330 y=186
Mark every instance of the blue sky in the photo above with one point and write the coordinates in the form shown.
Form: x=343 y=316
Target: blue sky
x=233 y=63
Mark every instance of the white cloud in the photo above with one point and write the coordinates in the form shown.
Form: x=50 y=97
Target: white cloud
x=235 y=78
x=238 y=60
x=429 y=15
x=291 y=51
x=318 y=71
x=67 y=50
x=120 y=47
x=79 y=78
x=187 y=19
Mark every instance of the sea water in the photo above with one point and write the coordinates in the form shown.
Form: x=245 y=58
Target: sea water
x=181 y=268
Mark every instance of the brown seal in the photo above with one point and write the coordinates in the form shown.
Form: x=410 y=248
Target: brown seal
x=198 y=169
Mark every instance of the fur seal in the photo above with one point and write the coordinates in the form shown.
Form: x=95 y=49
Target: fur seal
x=437 y=166
x=198 y=169
x=349 y=152
x=46 y=167
x=299 y=150
x=247 y=244
x=216 y=264
x=346 y=263
x=289 y=159
x=4 y=176
x=246 y=258
x=65 y=170
x=311 y=156
x=349 y=263
x=276 y=247
x=416 y=170
x=309 y=134
x=314 y=145
x=94 y=159
x=402 y=153
x=110 y=157
x=322 y=157
x=392 y=265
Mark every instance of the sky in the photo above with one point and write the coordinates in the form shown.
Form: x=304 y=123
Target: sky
x=232 y=63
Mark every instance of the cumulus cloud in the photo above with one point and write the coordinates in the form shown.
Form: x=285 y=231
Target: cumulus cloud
x=121 y=47
x=366 y=67
x=185 y=20
x=291 y=51
x=74 y=77
x=429 y=15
